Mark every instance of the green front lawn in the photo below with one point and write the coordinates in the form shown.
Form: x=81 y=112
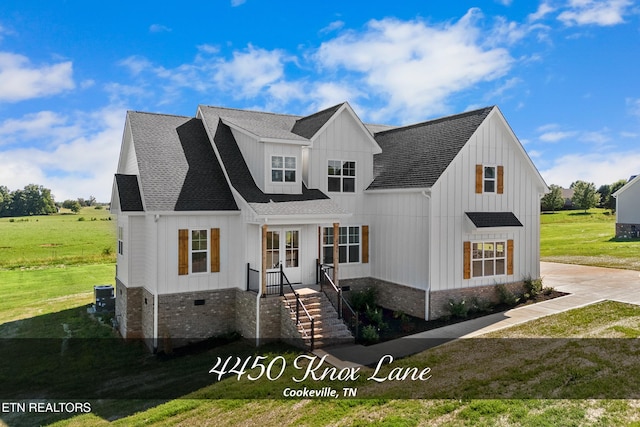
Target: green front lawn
x=573 y=237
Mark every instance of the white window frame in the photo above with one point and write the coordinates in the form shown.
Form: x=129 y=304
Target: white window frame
x=341 y=176
x=193 y=251
x=481 y=259
x=327 y=243
x=120 y=240
x=283 y=169
x=493 y=179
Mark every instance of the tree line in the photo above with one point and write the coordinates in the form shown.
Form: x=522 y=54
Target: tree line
x=585 y=196
x=34 y=199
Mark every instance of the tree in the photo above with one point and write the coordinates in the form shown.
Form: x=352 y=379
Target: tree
x=585 y=195
x=605 y=192
x=73 y=205
x=5 y=201
x=553 y=200
x=611 y=201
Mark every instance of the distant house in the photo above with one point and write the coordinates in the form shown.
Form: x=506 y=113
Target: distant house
x=210 y=208
x=628 y=209
x=567 y=195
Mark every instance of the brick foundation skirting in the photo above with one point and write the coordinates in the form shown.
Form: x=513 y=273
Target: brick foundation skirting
x=627 y=231
x=439 y=300
x=391 y=295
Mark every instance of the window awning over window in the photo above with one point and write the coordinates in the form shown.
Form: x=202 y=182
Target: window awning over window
x=493 y=219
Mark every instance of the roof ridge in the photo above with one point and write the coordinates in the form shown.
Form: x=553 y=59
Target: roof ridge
x=242 y=110
x=317 y=113
x=161 y=114
x=436 y=120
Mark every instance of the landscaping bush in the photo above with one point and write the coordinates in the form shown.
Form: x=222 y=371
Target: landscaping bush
x=532 y=287
x=506 y=296
x=375 y=316
x=477 y=305
x=361 y=300
x=458 y=308
x=370 y=334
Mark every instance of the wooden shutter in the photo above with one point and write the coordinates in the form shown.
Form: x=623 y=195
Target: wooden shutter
x=365 y=244
x=215 y=250
x=500 y=179
x=183 y=252
x=509 y=256
x=479 y=179
x=467 y=260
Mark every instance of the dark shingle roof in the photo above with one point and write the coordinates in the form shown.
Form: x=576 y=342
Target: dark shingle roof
x=309 y=125
x=129 y=193
x=241 y=178
x=416 y=156
x=178 y=168
x=494 y=219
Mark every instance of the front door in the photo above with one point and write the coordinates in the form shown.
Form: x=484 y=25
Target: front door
x=283 y=248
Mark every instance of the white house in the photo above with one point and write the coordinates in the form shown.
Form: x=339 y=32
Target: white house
x=209 y=207
x=628 y=209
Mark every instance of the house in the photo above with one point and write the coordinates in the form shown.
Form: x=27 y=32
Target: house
x=628 y=209
x=212 y=208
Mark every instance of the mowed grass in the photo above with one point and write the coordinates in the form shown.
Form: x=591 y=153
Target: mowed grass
x=60 y=239
x=511 y=361
x=573 y=237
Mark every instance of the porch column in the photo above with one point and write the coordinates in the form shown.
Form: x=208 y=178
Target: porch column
x=336 y=253
x=264 y=260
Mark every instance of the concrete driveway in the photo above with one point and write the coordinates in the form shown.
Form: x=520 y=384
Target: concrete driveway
x=593 y=283
x=586 y=285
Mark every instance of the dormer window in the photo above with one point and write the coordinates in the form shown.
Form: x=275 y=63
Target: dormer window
x=341 y=176
x=283 y=169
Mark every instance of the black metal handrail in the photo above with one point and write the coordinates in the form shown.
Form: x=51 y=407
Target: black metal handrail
x=299 y=304
x=345 y=311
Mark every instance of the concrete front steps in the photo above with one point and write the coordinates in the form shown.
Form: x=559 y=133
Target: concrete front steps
x=328 y=328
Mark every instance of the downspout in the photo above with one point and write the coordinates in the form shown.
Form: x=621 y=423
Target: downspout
x=156 y=218
x=429 y=248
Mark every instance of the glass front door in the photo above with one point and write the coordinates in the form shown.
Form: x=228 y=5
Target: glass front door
x=283 y=248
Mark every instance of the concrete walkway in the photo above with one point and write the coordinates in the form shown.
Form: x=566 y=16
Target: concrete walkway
x=586 y=285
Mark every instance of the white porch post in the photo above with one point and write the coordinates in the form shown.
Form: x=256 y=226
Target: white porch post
x=264 y=259
x=336 y=253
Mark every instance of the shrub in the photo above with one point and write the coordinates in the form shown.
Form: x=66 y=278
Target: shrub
x=548 y=290
x=532 y=287
x=458 y=308
x=82 y=218
x=375 y=316
x=361 y=300
x=106 y=251
x=477 y=305
x=370 y=334
x=506 y=296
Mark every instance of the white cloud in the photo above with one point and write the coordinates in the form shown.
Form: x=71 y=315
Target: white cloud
x=633 y=105
x=334 y=26
x=413 y=65
x=159 y=28
x=595 y=12
x=543 y=10
x=20 y=81
x=236 y=3
x=555 y=136
x=599 y=168
x=79 y=165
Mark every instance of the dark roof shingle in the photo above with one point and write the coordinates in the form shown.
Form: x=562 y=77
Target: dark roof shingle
x=308 y=126
x=129 y=193
x=416 y=156
x=494 y=219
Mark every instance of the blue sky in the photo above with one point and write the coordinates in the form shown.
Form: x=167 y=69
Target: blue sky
x=564 y=73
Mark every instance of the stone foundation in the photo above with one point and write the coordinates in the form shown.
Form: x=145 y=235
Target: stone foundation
x=439 y=300
x=391 y=295
x=627 y=231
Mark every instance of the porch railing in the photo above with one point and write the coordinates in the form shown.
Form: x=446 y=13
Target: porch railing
x=253 y=279
x=334 y=294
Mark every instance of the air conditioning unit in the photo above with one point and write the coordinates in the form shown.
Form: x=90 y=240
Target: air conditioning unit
x=104 y=299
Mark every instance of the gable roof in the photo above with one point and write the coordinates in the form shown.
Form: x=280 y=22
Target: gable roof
x=308 y=126
x=415 y=156
x=178 y=168
x=632 y=181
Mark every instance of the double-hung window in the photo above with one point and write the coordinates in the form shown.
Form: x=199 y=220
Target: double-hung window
x=199 y=251
x=283 y=169
x=341 y=176
x=348 y=245
x=489 y=179
x=120 y=241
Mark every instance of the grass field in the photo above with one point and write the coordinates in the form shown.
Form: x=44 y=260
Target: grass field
x=88 y=237
x=48 y=266
x=573 y=237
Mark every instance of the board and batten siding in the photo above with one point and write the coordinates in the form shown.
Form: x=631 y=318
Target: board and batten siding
x=341 y=139
x=284 y=150
x=628 y=205
x=399 y=237
x=232 y=264
x=455 y=193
